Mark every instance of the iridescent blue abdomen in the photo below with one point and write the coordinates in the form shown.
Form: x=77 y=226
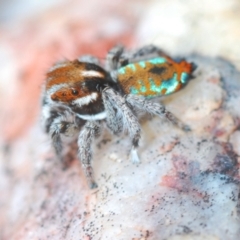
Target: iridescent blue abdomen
x=155 y=77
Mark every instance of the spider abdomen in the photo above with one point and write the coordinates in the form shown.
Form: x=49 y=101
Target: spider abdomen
x=154 y=77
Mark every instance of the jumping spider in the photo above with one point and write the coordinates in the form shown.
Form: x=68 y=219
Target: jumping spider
x=80 y=94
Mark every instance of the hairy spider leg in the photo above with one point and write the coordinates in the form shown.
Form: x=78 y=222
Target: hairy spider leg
x=114 y=117
x=130 y=121
x=90 y=130
x=155 y=108
x=113 y=61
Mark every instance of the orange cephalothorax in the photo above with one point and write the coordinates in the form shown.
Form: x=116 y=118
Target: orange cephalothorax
x=70 y=81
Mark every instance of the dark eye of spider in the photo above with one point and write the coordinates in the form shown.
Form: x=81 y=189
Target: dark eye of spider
x=74 y=92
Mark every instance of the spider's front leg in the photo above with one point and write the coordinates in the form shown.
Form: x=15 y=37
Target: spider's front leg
x=156 y=109
x=56 y=127
x=59 y=122
x=114 y=118
x=51 y=121
x=90 y=130
x=129 y=120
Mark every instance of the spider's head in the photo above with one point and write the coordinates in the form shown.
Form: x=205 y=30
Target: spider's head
x=76 y=82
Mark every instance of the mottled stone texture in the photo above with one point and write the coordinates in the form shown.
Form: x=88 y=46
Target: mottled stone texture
x=187 y=185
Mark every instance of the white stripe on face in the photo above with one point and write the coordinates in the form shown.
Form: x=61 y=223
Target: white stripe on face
x=98 y=116
x=91 y=73
x=86 y=100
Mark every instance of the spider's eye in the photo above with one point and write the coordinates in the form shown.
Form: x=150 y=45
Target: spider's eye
x=74 y=92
